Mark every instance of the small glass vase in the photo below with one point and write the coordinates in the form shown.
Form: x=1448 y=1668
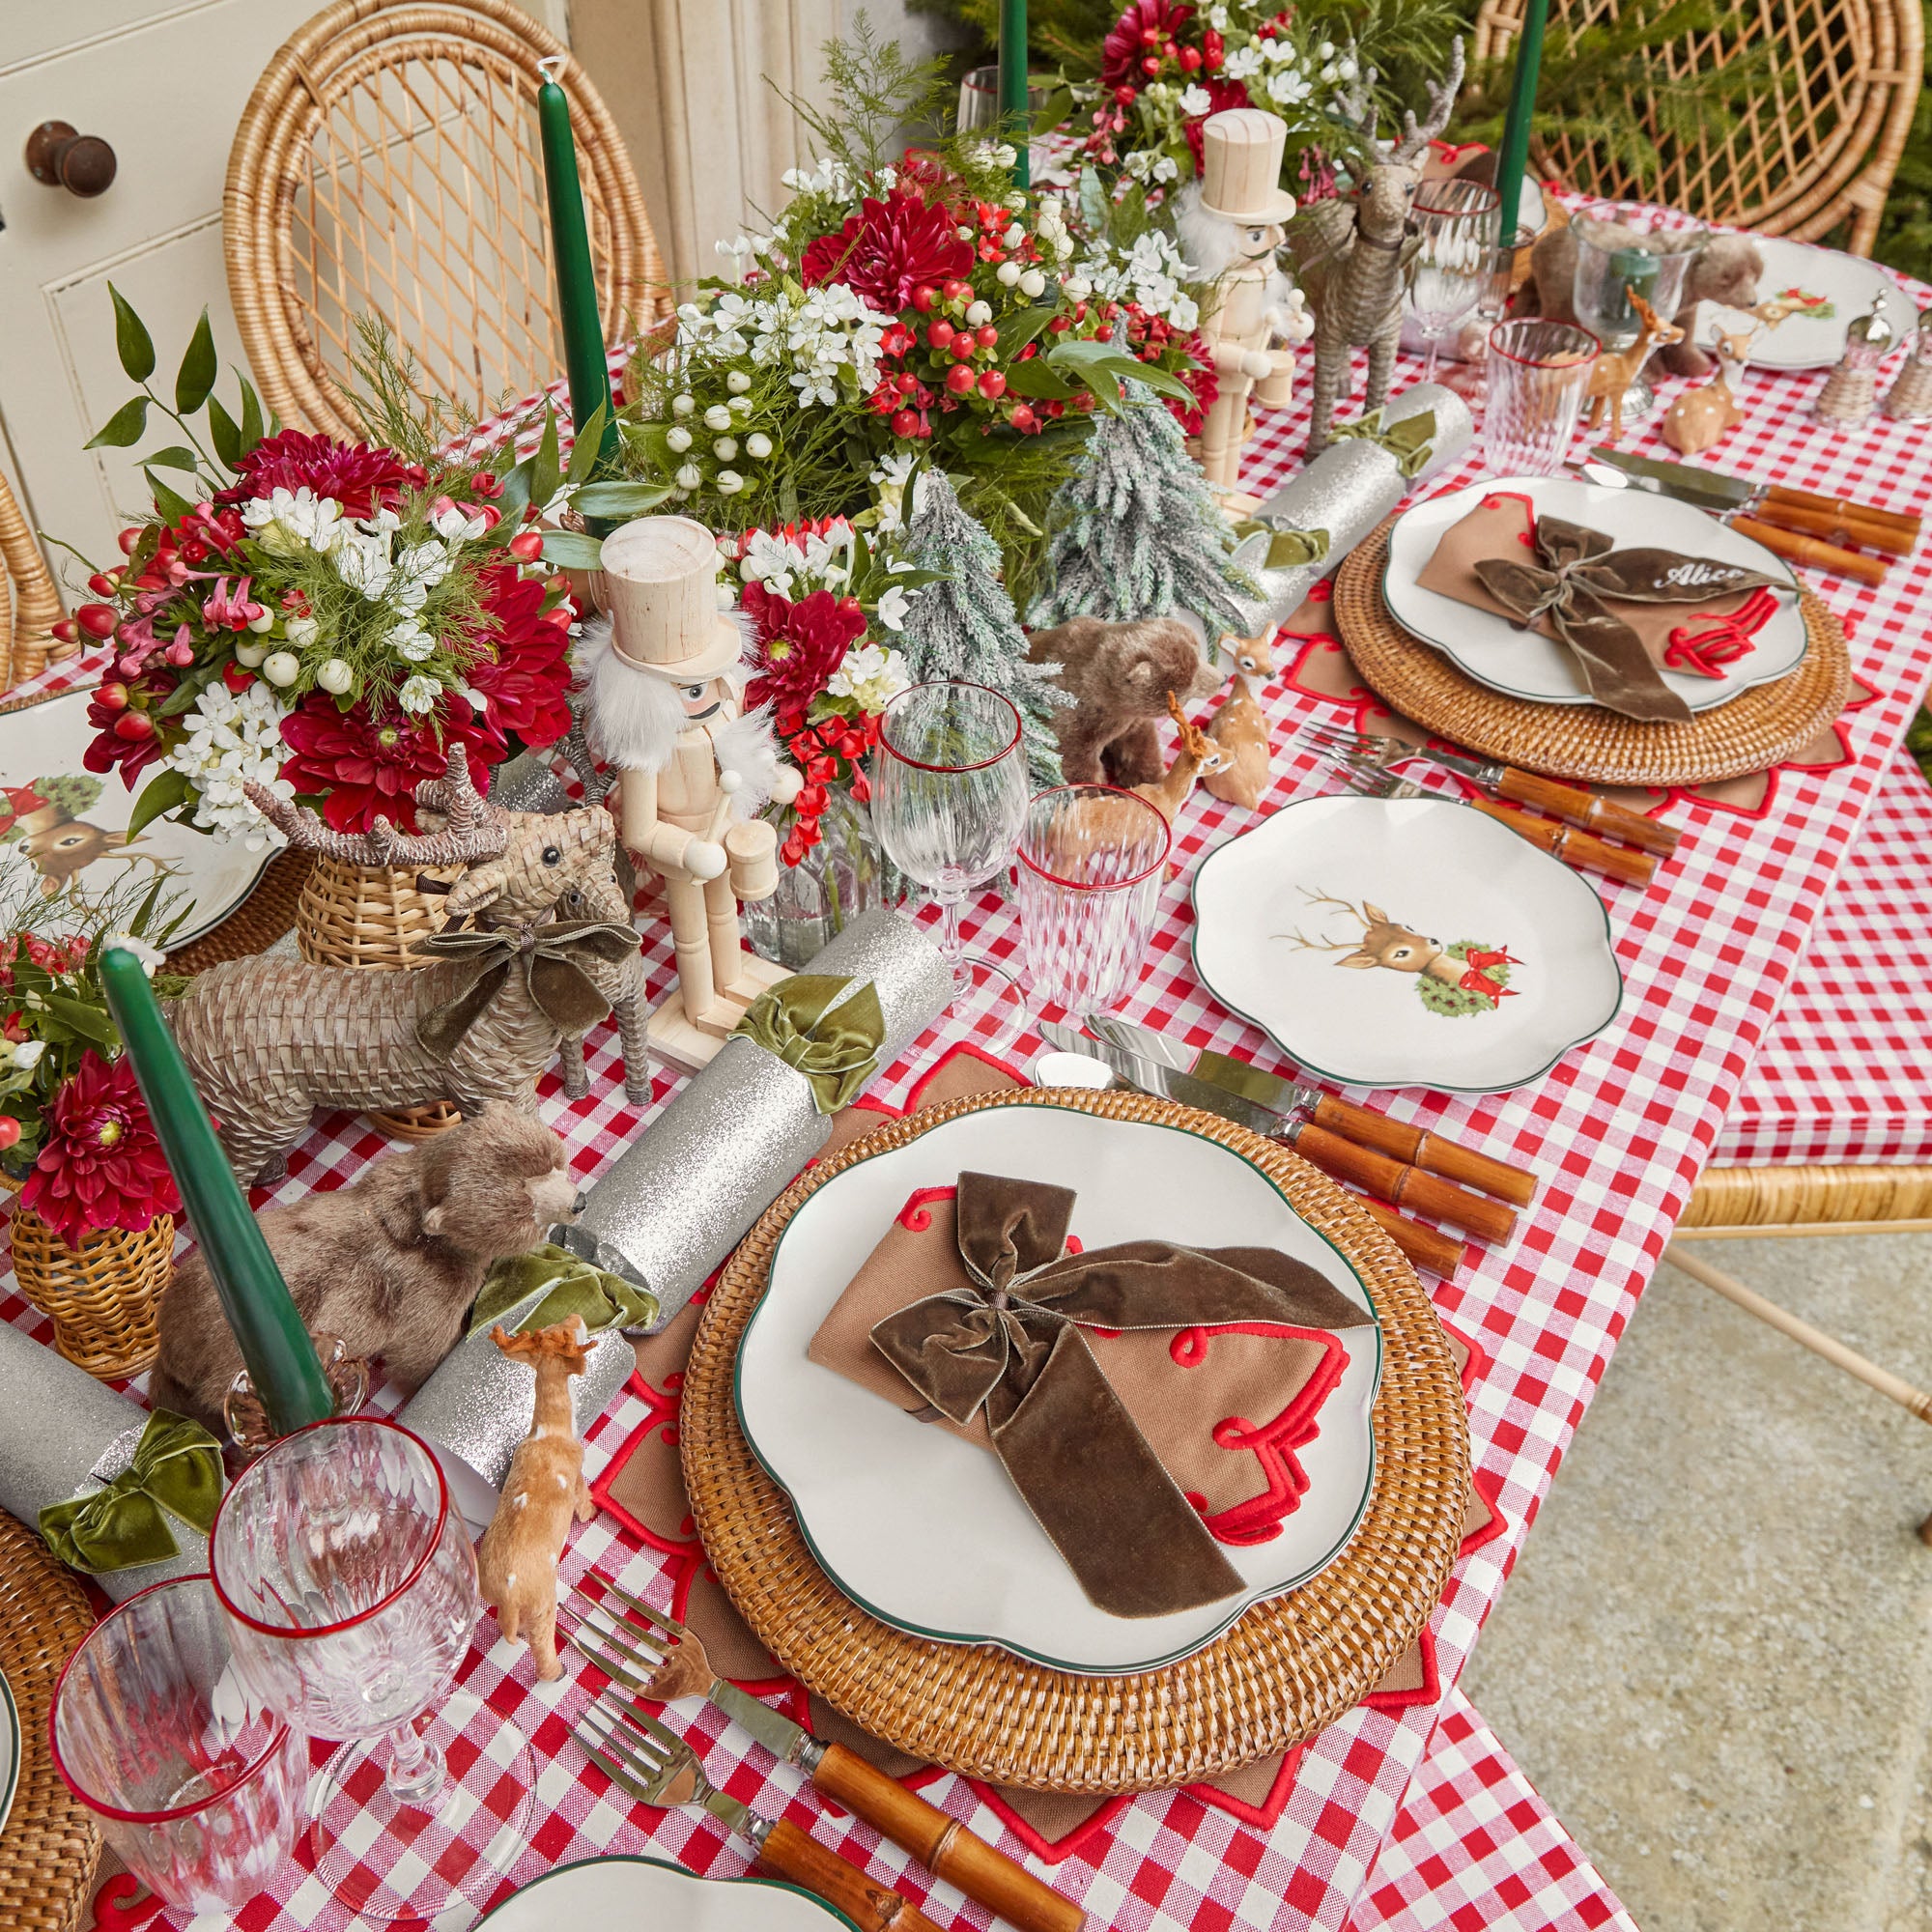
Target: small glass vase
x=841 y=876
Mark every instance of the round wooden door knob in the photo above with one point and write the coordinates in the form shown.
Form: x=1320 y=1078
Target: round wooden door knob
x=83 y=164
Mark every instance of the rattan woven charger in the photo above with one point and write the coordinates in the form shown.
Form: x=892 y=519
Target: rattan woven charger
x=1286 y=1669
x=1759 y=728
x=50 y=1848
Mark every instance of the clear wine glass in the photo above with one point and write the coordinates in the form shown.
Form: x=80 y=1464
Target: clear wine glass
x=1492 y=299
x=949 y=797
x=1456 y=224
x=350 y=1589
x=1610 y=270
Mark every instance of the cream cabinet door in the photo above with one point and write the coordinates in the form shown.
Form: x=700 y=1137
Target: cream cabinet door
x=164 y=82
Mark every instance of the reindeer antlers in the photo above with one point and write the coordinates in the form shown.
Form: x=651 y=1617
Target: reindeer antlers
x=1192 y=738
x=1415 y=140
x=472 y=827
x=1307 y=945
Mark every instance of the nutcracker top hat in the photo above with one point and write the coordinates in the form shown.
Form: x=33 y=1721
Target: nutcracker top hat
x=1241 y=167
x=661 y=575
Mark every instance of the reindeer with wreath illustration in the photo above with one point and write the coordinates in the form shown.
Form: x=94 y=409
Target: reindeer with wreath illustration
x=1453 y=981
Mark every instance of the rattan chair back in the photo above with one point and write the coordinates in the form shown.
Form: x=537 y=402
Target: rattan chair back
x=1816 y=147
x=29 y=603
x=388 y=164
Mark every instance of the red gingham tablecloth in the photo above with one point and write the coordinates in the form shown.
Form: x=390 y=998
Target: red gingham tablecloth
x=1618 y=1130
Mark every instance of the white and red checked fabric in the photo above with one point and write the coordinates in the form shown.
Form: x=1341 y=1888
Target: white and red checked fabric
x=1844 y=1077
x=1619 y=1133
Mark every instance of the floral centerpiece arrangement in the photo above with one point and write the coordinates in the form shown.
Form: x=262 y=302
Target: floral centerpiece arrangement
x=916 y=307
x=322 y=617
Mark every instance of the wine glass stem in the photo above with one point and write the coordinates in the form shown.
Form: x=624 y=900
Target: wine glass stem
x=1435 y=341
x=416 y=1769
x=953 y=948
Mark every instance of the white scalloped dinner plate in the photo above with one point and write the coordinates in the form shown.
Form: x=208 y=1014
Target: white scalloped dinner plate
x=633 y=1894
x=927 y=1531
x=1442 y=872
x=1808 y=342
x=1524 y=664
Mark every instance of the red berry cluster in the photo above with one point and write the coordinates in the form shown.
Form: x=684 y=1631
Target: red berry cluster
x=828 y=754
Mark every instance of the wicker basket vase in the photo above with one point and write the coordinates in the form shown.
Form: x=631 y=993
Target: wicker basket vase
x=103 y=1296
x=369 y=916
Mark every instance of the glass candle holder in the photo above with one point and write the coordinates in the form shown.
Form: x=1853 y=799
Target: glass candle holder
x=1539 y=375
x=195 y=1783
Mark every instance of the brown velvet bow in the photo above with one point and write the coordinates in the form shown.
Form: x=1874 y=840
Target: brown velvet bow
x=1578 y=568
x=1011 y=1343
x=548 y=956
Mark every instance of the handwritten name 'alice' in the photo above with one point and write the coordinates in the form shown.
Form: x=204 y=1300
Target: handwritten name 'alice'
x=1701 y=571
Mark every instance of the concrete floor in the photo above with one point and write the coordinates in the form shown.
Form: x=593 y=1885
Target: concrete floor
x=1715 y=1656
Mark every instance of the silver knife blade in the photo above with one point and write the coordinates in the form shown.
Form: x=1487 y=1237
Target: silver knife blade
x=1169 y=1082
x=1141 y=1041
x=777 y=1732
x=1711 y=489
x=1217 y=1069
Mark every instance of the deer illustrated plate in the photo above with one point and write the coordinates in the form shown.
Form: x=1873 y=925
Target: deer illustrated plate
x=1526 y=664
x=634 y=1895
x=1824 y=292
x=71 y=824
x=1405 y=943
x=927 y=1531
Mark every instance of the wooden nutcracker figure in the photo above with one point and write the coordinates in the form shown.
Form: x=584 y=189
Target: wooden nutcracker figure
x=666 y=678
x=1232 y=232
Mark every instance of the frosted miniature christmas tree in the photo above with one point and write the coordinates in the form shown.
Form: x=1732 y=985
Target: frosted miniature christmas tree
x=1135 y=532
x=964 y=625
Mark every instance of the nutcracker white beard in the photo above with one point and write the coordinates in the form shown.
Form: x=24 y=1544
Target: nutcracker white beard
x=1212 y=244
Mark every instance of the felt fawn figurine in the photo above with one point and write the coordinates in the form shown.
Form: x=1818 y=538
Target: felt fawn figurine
x=1615 y=370
x=1198 y=758
x=1241 y=728
x=1700 y=419
x=1253 y=657
x=516 y=1561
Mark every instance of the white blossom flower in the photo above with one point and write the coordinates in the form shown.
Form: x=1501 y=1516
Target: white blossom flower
x=418 y=694
x=771 y=559
x=26 y=1053
x=889 y=481
x=1195 y=99
x=1149 y=165
x=1286 y=87
x=232 y=737
x=410 y=641
x=453 y=526
x=1217 y=17
x=1242 y=63
x=286 y=521
x=871 y=675
x=894 y=605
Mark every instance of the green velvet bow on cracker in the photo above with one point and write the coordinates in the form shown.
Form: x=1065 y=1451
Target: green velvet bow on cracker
x=176 y=1472
x=1410 y=439
x=1287 y=549
x=833 y=1040
x=576 y=1286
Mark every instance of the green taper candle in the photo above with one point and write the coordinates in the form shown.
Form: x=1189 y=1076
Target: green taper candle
x=1015 y=119
x=1513 y=157
x=275 y=1347
x=583 y=355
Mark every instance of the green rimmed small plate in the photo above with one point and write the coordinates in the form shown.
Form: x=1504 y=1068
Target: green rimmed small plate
x=636 y=1894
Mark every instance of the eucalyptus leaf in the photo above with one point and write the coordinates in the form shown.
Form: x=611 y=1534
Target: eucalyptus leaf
x=619 y=499
x=1022 y=327
x=1055 y=109
x=589 y=442
x=124 y=429
x=573 y=550
x=78 y=1017
x=176 y=456
x=132 y=341
x=194 y=382
x=515 y=495
x=171 y=503
x=546 y=469
x=163 y=793
x=251 y=417
x=1037 y=379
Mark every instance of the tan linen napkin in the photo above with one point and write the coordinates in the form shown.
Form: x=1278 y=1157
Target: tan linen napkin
x=1701 y=634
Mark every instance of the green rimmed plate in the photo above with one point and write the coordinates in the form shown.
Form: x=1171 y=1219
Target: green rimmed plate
x=636 y=1894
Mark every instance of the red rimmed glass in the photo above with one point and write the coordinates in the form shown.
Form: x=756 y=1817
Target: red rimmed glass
x=350 y=1589
x=1539 y=375
x=1091 y=863
x=1455 y=223
x=195 y=1783
x=949 y=797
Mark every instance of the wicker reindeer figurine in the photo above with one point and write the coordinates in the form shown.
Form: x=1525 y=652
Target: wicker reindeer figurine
x=1352 y=256
x=268 y=1040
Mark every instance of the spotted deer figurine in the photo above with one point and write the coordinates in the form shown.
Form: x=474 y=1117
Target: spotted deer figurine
x=517 y=1560
x=1699 y=419
x=1453 y=979
x=1197 y=758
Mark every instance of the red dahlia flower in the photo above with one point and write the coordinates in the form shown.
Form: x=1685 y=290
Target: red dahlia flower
x=800 y=646
x=361 y=478
x=887 y=249
x=101 y=1166
x=527 y=682
x=1122 y=50
x=367 y=767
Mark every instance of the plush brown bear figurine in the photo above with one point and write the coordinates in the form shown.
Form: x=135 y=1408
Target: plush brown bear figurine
x=390 y=1265
x=1120 y=676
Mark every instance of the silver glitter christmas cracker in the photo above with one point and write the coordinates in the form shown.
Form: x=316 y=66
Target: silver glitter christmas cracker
x=479 y=1405
x=1347 y=490
x=684 y=1194
x=64 y=1435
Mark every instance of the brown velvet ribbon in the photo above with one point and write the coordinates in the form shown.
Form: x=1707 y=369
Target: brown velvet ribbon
x=1011 y=1343
x=1576 y=569
x=548 y=956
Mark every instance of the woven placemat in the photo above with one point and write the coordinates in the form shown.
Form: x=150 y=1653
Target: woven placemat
x=1759 y=728
x=1284 y=1672
x=257 y=922
x=50 y=1848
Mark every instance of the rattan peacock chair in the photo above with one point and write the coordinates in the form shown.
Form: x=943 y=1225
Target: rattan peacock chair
x=388 y=164
x=29 y=603
x=1816 y=147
